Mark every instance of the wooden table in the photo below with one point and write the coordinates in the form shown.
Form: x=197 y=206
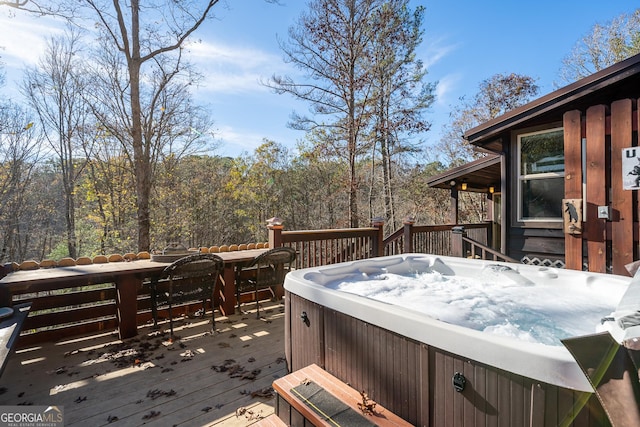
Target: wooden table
x=127 y=276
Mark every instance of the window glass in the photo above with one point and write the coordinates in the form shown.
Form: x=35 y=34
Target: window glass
x=542 y=152
x=542 y=198
x=541 y=175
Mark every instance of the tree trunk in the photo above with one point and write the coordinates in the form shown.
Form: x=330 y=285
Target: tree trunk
x=140 y=153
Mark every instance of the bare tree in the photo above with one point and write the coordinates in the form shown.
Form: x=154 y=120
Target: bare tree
x=331 y=45
x=400 y=96
x=171 y=125
x=55 y=89
x=148 y=36
x=46 y=7
x=496 y=95
x=604 y=45
x=19 y=144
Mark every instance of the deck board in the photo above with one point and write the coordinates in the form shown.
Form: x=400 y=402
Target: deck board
x=162 y=385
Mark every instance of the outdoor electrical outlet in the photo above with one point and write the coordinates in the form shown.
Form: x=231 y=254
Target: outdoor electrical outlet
x=604 y=212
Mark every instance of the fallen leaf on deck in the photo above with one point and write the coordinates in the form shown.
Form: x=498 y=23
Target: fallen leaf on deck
x=156 y=393
x=150 y=415
x=266 y=392
x=251 y=375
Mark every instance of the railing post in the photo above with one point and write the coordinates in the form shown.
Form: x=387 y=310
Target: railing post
x=453 y=206
x=407 y=235
x=457 y=244
x=6 y=300
x=378 y=244
x=275 y=232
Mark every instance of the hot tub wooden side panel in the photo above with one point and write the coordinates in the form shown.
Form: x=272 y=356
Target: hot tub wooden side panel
x=385 y=365
x=304 y=330
x=494 y=397
x=414 y=380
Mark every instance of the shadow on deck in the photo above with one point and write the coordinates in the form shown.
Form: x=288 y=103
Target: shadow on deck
x=199 y=380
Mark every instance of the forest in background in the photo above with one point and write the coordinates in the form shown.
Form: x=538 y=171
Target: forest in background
x=108 y=153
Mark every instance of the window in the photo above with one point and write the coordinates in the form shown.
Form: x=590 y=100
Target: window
x=541 y=175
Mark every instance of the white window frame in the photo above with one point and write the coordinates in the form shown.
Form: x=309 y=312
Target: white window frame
x=521 y=178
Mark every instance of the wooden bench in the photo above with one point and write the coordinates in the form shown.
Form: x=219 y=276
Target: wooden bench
x=312 y=396
x=10 y=328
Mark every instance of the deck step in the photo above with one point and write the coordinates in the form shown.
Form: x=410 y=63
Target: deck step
x=271 y=421
x=312 y=396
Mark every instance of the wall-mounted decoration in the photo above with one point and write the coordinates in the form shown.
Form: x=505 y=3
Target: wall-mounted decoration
x=572 y=215
x=631 y=168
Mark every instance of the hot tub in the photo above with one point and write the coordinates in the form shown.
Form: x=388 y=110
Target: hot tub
x=432 y=371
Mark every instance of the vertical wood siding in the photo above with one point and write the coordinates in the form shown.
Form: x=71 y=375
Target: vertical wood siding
x=621 y=200
x=596 y=188
x=572 y=123
x=605 y=246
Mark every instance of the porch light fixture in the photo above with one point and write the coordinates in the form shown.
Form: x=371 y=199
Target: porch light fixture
x=452 y=183
x=492 y=189
x=463 y=186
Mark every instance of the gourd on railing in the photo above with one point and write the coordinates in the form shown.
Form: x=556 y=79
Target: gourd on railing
x=127 y=257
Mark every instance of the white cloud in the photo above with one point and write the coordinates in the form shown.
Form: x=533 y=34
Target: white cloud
x=235 y=56
x=24 y=38
x=437 y=49
x=233 y=69
x=231 y=141
x=447 y=86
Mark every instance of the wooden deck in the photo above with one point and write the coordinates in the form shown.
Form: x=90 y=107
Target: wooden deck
x=201 y=380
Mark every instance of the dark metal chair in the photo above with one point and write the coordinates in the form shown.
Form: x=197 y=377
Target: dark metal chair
x=266 y=271
x=188 y=279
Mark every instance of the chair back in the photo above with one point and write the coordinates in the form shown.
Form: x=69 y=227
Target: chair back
x=272 y=266
x=190 y=278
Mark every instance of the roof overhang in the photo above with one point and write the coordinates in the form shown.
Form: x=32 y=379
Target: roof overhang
x=608 y=84
x=479 y=175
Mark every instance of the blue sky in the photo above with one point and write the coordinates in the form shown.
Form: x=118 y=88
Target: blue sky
x=465 y=42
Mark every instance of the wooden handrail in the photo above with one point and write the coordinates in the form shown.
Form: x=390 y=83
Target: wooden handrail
x=322 y=247
x=475 y=247
x=434 y=239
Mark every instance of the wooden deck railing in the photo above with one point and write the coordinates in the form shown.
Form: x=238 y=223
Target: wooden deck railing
x=116 y=297
x=464 y=246
x=430 y=239
x=480 y=251
x=323 y=247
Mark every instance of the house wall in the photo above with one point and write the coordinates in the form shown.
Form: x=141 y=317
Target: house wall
x=603 y=245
